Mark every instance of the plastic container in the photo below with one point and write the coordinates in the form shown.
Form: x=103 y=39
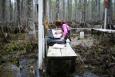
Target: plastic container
x=82 y=35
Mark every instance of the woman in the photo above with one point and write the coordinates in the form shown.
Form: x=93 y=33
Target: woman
x=65 y=29
x=63 y=32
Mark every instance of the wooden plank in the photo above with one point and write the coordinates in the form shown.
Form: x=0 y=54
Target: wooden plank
x=54 y=52
x=61 y=52
x=105 y=30
x=68 y=52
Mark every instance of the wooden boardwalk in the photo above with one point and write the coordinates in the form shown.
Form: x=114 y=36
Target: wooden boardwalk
x=62 y=52
x=105 y=30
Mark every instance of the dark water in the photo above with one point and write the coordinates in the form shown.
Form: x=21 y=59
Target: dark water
x=86 y=74
x=26 y=68
x=63 y=68
x=9 y=70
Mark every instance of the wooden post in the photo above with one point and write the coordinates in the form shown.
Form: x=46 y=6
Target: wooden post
x=40 y=34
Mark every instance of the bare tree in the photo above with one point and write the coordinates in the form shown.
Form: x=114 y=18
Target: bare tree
x=57 y=9
x=18 y=12
x=69 y=10
x=109 y=14
x=30 y=20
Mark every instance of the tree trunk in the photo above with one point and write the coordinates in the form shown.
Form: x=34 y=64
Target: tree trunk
x=84 y=12
x=76 y=15
x=69 y=10
x=50 y=10
x=31 y=24
x=18 y=13
x=3 y=10
x=63 y=9
x=98 y=9
x=57 y=9
x=109 y=15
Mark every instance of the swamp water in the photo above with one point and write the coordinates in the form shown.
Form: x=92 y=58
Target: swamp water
x=26 y=68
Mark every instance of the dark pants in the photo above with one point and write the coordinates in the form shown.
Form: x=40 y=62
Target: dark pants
x=52 y=41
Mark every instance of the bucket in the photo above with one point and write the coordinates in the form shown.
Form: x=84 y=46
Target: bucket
x=82 y=34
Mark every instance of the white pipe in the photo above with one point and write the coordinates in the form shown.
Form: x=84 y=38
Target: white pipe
x=40 y=34
x=105 y=19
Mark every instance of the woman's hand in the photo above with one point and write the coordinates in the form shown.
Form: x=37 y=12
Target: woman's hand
x=62 y=38
x=58 y=32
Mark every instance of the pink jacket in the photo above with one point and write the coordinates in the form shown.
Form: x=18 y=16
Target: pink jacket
x=66 y=30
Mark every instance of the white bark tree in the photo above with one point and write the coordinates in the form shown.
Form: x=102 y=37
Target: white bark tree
x=31 y=24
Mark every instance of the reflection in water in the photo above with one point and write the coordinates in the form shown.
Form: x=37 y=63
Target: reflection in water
x=9 y=70
x=26 y=69
x=87 y=74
